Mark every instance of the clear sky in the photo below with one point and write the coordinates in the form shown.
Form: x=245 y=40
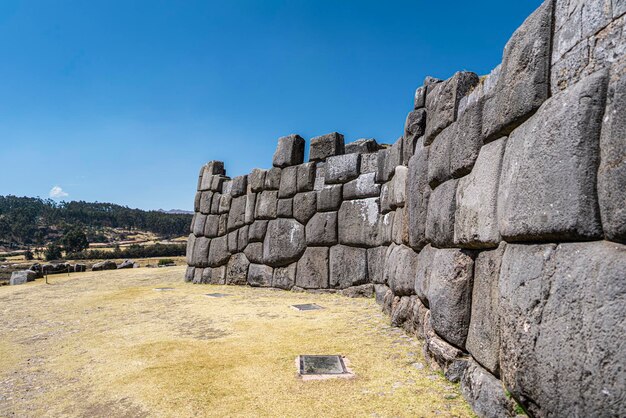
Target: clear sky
x=122 y=101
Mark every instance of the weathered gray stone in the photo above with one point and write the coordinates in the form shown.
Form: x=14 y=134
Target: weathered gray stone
x=450 y=294
x=388 y=301
x=288 y=182
x=348 y=266
x=388 y=159
x=376 y=264
x=523 y=83
x=214 y=275
x=329 y=198
x=400 y=269
x=362 y=146
x=242 y=238
x=476 y=218
x=237 y=270
x=233 y=241
x=289 y=152
x=483 y=337
x=284 y=208
x=215 y=203
x=361 y=291
x=418 y=194
x=369 y=163
x=465 y=146
x=199 y=251
x=419 y=317
x=439 y=156
x=322 y=229
x=239 y=186
x=197 y=276
x=208 y=172
x=385 y=198
x=256 y=232
x=384 y=232
x=342 y=168
x=217 y=252
x=485 y=393
x=256 y=180
x=612 y=171
x=397 y=189
x=204 y=202
x=562 y=322
x=306 y=177
x=266 y=205
x=361 y=187
x=222 y=224
x=358 y=222
x=442 y=356
x=196 y=202
x=237 y=213
x=413 y=129
x=189 y=274
x=191 y=241
x=217 y=183
x=198 y=224
x=250 y=208
x=440 y=218
x=260 y=275
x=224 y=204
x=304 y=206
x=21 y=277
x=254 y=252
x=547 y=187
x=284 y=242
x=326 y=146
x=272 y=178
x=227 y=187
x=380 y=290
x=420 y=97
x=284 y=277
x=401 y=311
x=442 y=102
x=312 y=269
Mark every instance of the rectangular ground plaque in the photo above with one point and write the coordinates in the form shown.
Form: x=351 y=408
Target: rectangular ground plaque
x=321 y=365
x=306 y=307
x=163 y=289
x=217 y=295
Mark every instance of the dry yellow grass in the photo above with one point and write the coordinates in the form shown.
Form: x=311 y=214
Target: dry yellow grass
x=107 y=344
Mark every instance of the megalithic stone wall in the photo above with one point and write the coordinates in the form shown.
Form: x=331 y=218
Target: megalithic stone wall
x=493 y=228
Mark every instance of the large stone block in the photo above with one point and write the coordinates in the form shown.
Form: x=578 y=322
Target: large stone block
x=250 y=208
x=397 y=189
x=21 y=277
x=483 y=337
x=256 y=232
x=191 y=241
x=306 y=177
x=239 y=186
x=208 y=172
x=289 y=152
x=204 y=202
x=233 y=241
x=485 y=393
x=612 y=171
x=304 y=206
x=256 y=180
x=358 y=222
x=363 y=186
x=342 y=168
x=254 y=252
x=440 y=218
x=369 y=163
x=385 y=228
x=418 y=194
x=348 y=266
x=362 y=146
x=284 y=277
x=288 y=182
x=562 y=328
x=260 y=275
x=420 y=97
x=266 y=205
x=284 y=208
x=524 y=80
x=443 y=100
x=476 y=217
x=547 y=185
x=414 y=128
x=214 y=275
x=224 y=204
x=215 y=203
x=222 y=224
x=200 y=255
x=400 y=270
x=385 y=198
x=440 y=355
x=284 y=242
x=272 y=178
x=376 y=264
x=322 y=229
x=242 y=238
x=439 y=156
x=237 y=213
x=237 y=269
x=329 y=198
x=312 y=269
x=326 y=146
x=388 y=160
x=218 y=253
x=189 y=274
x=465 y=146
x=198 y=224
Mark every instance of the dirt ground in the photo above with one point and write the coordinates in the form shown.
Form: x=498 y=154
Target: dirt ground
x=107 y=344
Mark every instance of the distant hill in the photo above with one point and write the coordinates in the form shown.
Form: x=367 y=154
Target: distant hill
x=177 y=211
x=36 y=221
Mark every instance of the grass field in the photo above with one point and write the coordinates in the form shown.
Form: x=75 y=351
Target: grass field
x=106 y=344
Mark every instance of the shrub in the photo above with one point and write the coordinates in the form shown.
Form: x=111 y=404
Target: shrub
x=165 y=261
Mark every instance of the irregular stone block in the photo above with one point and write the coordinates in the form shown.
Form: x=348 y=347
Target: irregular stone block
x=200 y=256
x=420 y=97
x=348 y=266
x=362 y=146
x=214 y=275
x=266 y=205
x=198 y=224
x=442 y=356
x=322 y=229
x=312 y=269
x=284 y=242
x=450 y=294
x=239 y=186
x=237 y=270
x=439 y=157
x=189 y=274
x=224 y=205
x=362 y=291
x=485 y=393
x=326 y=146
x=397 y=189
x=289 y=152
x=242 y=238
x=272 y=178
x=612 y=171
x=523 y=83
x=465 y=146
x=260 y=275
x=208 y=172
x=388 y=160
x=306 y=177
x=218 y=253
x=483 y=337
x=288 y=182
x=196 y=202
x=304 y=206
x=342 y=168
x=250 y=207
x=227 y=187
x=284 y=277
x=191 y=241
x=217 y=183
x=256 y=232
x=204 y=202
x=369 y=163
x=423 y=273
x=285 y=208
x=562 y=317
x=547 y=187
x=414 y=128
x=398 y=230
x=254 y=252
x=385 y=228
x=256 y=180
x=380 y=290
x=440 y=218
x=237 y=213
x=385 y=198
x=211 y=226
x=401 y=311
x=400 y=268
x=418 y=194
x=197 y=277
x=215 y=203
x=375 y=264
x=21 y=277
x=361 y=187
x=233 y=241
x=358 y=222
x=329 y=198
x=221 y=224
x=442 y=102
x=476 y=218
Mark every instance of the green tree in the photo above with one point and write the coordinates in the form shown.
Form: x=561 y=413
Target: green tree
x=75 y=240
x=53 y=252
x=28 y=255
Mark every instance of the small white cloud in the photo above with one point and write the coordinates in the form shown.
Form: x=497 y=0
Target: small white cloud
x=57 y=193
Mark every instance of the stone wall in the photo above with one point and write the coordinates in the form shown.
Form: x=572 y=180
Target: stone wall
x=493 y=228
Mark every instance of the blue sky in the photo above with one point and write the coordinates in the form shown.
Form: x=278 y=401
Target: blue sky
x=123 y=101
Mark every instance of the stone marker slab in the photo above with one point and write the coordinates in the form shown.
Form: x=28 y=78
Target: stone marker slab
x=306 y=307
x=321 y=365
x=217 y=295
